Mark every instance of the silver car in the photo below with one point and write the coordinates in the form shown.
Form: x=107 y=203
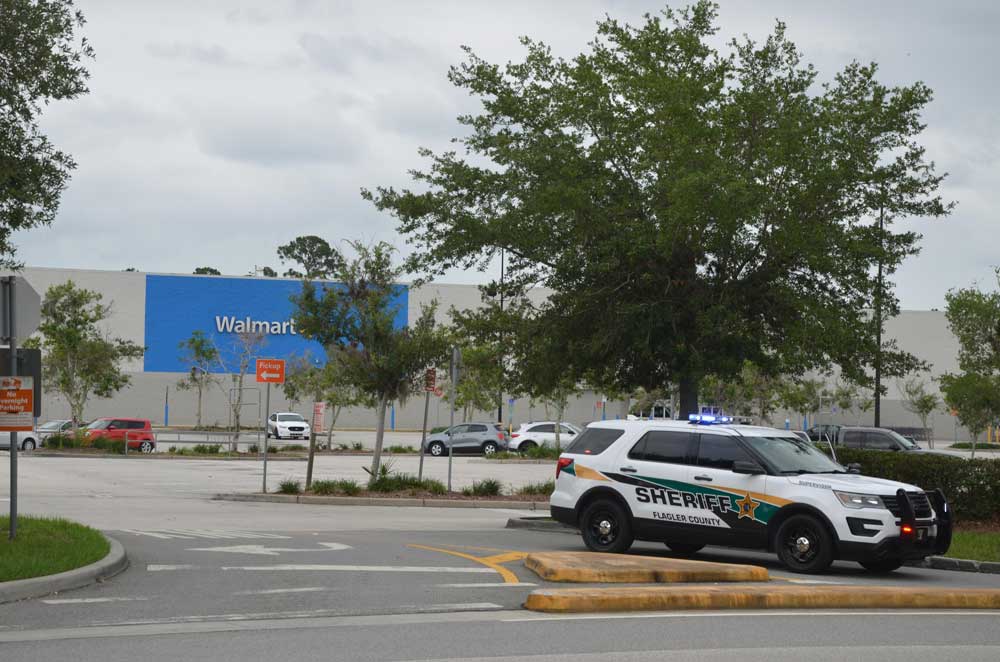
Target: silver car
x=485 y=438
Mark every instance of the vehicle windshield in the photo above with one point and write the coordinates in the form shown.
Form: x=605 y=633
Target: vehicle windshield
x=907 y=444
x=791 y=455
x=52 y=425
x=291 y=418
x=100 y=424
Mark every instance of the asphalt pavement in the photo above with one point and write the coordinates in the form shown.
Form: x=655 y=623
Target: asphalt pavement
x=245 y=581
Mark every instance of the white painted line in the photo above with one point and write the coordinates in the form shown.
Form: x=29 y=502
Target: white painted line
x=156 y=567
x=487 y=585
x=739 y=613
x=809 y=581
x=87 y=601
x=261 y=550
x=356 y=568
x=274 y=591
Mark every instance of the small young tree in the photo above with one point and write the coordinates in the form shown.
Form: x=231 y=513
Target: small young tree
x=357 y=318
x=246 y=347
x=802 y=396
x=202 y=356
x=918 y=400
x=975 y=398
x=80 y=360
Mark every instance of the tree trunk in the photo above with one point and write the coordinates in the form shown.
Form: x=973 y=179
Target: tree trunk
x=198 y=414
x=688 y=388
x=383 y=403
x=559 y=415
x=312 y=454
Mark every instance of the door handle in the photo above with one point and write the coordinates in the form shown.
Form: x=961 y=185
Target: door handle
x=705 y=478
x=629 y=470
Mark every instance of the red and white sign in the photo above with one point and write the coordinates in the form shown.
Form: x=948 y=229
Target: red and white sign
x=271 y=371
x=438 y=391
x=17 y=404
x=319 y=416
x=430 y=380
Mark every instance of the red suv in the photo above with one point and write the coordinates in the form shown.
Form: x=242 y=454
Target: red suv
x=138 y=430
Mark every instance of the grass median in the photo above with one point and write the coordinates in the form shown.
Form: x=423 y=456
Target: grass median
x=975 y=545
x=46 y=546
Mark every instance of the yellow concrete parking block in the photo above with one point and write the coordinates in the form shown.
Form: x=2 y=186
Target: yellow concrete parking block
x=770 y=596
x=593 y=568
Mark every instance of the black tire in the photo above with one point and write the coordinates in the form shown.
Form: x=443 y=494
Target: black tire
x=606 y=527
x=684 y=548
x=804 y=544
x=526 y=446
x=490 y=447
x=881 y=566
x=146 y=447
x=436 y=449
x=28 y=445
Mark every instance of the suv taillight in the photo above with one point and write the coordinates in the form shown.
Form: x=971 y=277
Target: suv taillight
x=562 y=464
x=500 y=436
x=515 y=434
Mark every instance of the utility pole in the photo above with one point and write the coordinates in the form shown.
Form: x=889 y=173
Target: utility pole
x=500 y=394
x=878 y=315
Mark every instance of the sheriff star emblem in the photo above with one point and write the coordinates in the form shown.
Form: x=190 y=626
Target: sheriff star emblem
x=747 y=506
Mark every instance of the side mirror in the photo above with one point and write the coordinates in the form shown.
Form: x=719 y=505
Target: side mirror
x=749 y=468
x=853 y=468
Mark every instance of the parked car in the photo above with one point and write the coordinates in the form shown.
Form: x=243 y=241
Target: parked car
x=824 y=432
x=138 y=431
x=26 y=441
x=485 y=438
x=801 y=435
x=879 y=439
x=287 y=425
x=543 y=433
x=49 y=428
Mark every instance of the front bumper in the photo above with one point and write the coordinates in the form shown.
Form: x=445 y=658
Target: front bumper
x=907 y=546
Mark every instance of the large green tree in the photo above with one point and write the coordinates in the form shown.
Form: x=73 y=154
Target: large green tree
x=355 y=319
x=687 y=208
x=79 y=359
x=317 y=259
x=41 y=60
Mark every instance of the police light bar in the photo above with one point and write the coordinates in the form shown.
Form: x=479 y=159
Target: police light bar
x=708 y=419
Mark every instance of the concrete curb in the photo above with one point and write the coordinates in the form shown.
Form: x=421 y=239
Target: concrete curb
x=404 y=502
x=540 y=524
x=592 y=568
x=962 y=565
x=483 y=460
x=672 y=598
x=165 y=457
x=22 y=589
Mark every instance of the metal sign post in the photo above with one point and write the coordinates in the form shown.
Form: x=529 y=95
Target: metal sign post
x=456 y=361
x=267 y=434
x=269 y=371
x=430 y=383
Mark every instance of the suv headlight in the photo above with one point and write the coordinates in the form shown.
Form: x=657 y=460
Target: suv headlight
x=853 y=500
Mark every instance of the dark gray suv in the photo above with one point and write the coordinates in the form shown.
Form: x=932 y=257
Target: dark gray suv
x=468 y=438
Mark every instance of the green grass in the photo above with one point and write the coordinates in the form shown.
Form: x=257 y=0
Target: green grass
x=540 y=489
x=47 y=546
x=975 y=545
x=401 y=449
x=289 y=486
x=335 y=488
x=398 y=482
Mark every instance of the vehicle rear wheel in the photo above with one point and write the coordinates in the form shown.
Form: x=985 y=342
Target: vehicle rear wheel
x=436 y=449
x=683 y=547
x=146 y=447
x=527 y=446
x=804 y=544
x=490 y=447
x=28 y=445
x=882 y=565
x=606 y=527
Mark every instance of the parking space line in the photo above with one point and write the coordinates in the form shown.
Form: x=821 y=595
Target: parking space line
x=317 y=567
x=490 y=562
x=487 y=585
x=87 y=601
x=275 y=591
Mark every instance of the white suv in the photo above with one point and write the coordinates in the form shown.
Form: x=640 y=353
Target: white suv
x=533 y=435
x=706 y=482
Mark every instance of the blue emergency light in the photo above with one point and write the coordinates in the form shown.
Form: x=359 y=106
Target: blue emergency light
x=708 y=419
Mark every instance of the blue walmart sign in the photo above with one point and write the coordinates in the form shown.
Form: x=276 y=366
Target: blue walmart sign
x=177 y=306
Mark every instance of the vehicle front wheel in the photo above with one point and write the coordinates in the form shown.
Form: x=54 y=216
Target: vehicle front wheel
x=804 y=545
x=28 y=445
x=882 y=565
x=436 y=449
x=606 y=527
x=489 y=448
x=146 y=447
x=684 y=548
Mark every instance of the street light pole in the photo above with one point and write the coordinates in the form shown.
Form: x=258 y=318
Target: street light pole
x=500 y=394
x=878 y=316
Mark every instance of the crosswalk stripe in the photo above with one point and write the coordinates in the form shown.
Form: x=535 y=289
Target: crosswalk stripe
x=209 y=534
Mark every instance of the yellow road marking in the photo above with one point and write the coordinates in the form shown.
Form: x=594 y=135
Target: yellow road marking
x=506 y=558
x=508 y=576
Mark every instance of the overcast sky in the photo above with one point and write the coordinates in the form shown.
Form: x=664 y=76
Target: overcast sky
x=217 y=130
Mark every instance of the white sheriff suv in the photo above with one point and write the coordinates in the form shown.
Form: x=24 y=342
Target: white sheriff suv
x=709 y=482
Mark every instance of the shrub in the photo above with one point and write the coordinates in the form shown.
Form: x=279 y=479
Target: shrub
x=358 y=446
x=503 y=455
x=108 y=445
x=981 y=446
x=207 y=449
x=296 y=447
x=543 y=453
x=254 y=448
x=402 y=449
x=399 y=482
x=486 y=487
x=343 y=447
x=172 y=450
x=289 y=486
x=272 y=449
x=335 y=487
x=540 y=489
x=972 y=487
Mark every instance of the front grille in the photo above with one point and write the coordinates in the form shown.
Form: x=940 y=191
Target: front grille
x=921 y=505
x=291 y=429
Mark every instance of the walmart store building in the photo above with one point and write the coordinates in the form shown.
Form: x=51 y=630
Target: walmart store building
x=160 y=311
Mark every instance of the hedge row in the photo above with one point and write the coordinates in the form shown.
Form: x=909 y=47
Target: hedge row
x=972 y=487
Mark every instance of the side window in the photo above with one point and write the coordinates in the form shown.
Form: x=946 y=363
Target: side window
x=594 y=441
x=460 y=429
x=274 y=417
x=879 y=441
x=567 y=430
x=118 y=425
x=719 y=452
x=665 y=446
x=137 y=425
x=548 y=427
x=853 y=438
x=477 y=428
